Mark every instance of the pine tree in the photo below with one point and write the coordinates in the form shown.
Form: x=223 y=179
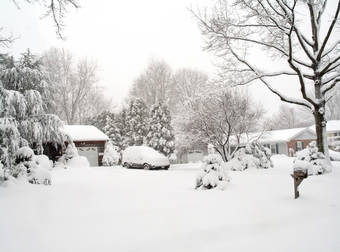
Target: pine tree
x=137 y=121
x=160 y=133
x=100 y=121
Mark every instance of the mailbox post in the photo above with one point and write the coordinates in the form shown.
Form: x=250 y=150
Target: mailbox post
x=298 y=176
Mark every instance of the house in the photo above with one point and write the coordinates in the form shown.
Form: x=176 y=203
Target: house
x=286 y=141
x=333 y=133
x=89 y=141
x=191 y=156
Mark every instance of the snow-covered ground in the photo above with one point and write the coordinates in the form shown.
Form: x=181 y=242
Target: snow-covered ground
x=115 y=209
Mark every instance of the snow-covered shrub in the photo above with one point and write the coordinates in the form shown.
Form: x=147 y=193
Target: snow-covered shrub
x=213 y=173
x=312 y=160
x=24 y=162
x=34 y=168
x=254 y=155
x=111 y=155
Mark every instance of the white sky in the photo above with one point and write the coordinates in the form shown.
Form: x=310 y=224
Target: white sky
x=122 y=36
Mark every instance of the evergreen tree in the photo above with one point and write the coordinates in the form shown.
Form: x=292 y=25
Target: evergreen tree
x=137 y=121
x=100 y=121
x=160 y=133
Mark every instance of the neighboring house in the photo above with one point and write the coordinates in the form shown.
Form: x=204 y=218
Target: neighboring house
x=286 y=141
x=191 y=156
x=333 y=133
x=89 y=141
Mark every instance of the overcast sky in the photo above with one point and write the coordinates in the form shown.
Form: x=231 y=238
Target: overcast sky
x=122 y=37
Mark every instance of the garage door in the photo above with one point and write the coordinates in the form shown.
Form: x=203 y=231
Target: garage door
x=91 y=153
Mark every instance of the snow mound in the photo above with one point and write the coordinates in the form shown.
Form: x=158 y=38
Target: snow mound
x=78 y=162
x=43 y=161
x=40 y=175
x=334 y=155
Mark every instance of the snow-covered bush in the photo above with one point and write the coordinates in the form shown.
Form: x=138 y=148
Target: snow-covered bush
x=111 y=155
x=24 y=163
x=254 y=155
x=213 y=173
x=34 y=168
x=312 y=160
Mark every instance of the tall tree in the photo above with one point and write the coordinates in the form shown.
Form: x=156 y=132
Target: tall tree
x=289 y=117
x=154 y=84
x=300 y=32
x=23 y=119
x=160 y=132
x=333 y=104
x=137 y=120
x=73 y=87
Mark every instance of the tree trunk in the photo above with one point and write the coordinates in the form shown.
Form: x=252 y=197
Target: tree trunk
x=320 y=121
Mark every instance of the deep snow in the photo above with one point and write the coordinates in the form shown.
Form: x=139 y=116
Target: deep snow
x=115 y=209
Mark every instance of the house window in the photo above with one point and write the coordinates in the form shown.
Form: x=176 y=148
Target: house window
x=299 y=145
x=274 y=148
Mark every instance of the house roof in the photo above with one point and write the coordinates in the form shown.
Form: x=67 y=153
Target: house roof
x=84 y=133
x=273 y=136
x=332 y=126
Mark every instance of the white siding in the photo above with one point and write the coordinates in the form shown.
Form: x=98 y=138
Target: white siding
x=283 y=148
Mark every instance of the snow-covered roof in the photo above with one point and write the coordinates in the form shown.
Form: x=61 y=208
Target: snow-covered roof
x=273 y=136
x=331 y=126
x=84 y=133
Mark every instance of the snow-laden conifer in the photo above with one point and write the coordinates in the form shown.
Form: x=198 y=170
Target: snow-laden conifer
x=160 y=132
x=213 y=174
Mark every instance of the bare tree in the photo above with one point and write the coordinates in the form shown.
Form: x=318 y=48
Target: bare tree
x=74 y=91
x=233 y=29
x=219 y=116
x=289 y=116
x=153 y=84
x=187 y=84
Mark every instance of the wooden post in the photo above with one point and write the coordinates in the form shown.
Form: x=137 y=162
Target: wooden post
x=298 y=176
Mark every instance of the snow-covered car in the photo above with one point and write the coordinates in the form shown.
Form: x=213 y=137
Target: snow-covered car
x=144 y=157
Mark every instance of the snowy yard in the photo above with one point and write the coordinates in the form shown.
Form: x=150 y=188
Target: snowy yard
x=115 y=209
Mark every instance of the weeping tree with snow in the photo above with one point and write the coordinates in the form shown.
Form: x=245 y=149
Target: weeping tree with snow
x=299 y=35
x=23 y=120
x=137 y=122
x=160 y=133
